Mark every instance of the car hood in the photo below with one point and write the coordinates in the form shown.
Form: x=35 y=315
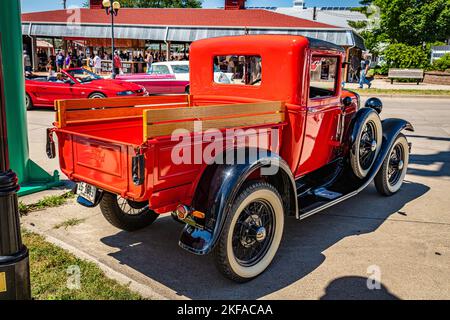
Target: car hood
x=110 y=84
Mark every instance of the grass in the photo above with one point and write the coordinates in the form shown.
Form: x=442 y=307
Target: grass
x=52 y=270
x=69 y=223
x=46 y=202
x=403 y=92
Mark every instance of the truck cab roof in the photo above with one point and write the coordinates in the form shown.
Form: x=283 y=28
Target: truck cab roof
x=282 y=62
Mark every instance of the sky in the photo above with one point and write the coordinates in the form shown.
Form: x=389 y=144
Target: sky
x=42 y=5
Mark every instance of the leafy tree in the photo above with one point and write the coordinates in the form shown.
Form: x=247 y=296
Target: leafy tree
x=400 y=55
x=413 y=22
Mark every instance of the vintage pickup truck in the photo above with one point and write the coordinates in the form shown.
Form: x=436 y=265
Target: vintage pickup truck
x=230 y=161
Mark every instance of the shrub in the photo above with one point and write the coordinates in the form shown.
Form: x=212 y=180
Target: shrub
x=400 y=55
x=441 y=64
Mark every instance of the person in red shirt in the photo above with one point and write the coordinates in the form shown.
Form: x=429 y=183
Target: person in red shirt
x=117 y=63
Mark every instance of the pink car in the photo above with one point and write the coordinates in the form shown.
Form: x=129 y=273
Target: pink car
x=157 y=83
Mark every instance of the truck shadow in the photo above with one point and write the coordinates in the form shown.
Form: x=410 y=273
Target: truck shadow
x=154 y=252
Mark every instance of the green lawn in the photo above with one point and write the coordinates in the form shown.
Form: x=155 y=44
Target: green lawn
x=403 y=92
x=50 y=274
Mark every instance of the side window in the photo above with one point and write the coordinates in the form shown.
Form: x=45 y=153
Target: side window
x=323 y=76
x=160 y=69
x=240 y=70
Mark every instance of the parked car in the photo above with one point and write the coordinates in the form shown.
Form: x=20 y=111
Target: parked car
x=75 y=83
x=230 y=161
x=169 y=77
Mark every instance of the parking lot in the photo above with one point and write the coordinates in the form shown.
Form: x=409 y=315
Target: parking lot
x=404 y=239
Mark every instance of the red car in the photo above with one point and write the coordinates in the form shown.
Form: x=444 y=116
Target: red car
x=75 y=83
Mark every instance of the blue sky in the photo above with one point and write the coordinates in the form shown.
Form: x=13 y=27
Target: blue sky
x=42 y=5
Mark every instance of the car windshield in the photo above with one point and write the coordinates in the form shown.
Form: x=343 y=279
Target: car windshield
x=180 y=68
x=83 y=75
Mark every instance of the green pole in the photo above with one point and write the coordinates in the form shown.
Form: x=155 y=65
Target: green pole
x=32 y=178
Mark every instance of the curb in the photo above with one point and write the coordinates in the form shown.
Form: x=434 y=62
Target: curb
x=145 y=291
x=403 y=96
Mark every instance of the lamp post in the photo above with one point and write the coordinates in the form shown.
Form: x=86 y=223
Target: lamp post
x=112 y=10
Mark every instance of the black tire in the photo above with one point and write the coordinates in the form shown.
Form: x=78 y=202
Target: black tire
x=187 y=90
x=250 y=230
x=97 y=95
x=367 y=145
x=115 y=214
x=28 y=102
x=389 y=179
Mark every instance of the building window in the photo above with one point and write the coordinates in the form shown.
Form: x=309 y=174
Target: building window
x=239 y=70
x=323 y=76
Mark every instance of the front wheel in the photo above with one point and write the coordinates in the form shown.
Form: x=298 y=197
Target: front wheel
x=391 y=175
x=126 y=214
x=252 y=233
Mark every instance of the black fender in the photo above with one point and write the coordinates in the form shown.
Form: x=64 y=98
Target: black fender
x=357 y=121
x=225 y=181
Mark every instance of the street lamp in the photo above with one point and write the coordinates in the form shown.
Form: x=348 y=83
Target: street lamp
x=112 y=11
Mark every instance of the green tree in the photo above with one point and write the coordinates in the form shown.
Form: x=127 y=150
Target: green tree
x=413 y=22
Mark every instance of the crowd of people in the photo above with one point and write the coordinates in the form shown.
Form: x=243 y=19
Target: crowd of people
x=93 y=62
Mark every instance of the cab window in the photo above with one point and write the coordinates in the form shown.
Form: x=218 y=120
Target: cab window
x=240 y=70
x=323 y=76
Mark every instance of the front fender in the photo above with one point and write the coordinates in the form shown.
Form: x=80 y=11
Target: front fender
x=227 y=179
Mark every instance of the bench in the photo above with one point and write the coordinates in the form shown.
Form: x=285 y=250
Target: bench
x=417 y=74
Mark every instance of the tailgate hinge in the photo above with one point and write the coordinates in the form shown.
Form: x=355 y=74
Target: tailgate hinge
x=138 y=166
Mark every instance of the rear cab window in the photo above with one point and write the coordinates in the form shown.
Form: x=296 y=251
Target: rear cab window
x=323 y=77
x=238 y=70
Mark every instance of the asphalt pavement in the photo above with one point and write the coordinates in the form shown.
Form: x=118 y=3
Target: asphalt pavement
x=402 y=240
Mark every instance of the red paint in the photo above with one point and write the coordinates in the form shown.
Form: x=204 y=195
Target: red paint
x=44 y=93
x=100 y=153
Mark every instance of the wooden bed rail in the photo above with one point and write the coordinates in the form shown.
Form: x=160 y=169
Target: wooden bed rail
x=163 y=121
x=82 y=110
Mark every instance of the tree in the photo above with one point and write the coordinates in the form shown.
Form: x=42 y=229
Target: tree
x=157 y=3
x=413 y=22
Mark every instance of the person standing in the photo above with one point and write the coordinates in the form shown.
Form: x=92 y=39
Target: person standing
x=59 y=61
x=26 y=62
x=365 y=67
x=149 y=61
x=67 y=62
x=97 y=64
x=117 y=63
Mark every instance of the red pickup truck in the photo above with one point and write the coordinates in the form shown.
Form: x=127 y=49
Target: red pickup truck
x=230 y=161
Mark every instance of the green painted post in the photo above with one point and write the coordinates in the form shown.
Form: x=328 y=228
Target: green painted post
x=32 y=178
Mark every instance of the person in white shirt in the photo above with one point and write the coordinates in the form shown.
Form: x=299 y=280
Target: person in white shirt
x=97 y=64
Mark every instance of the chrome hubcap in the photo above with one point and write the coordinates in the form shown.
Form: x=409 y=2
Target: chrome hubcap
x=373 y=146
x=261 y=234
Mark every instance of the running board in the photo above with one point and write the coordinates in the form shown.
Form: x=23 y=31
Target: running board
x=314 y=196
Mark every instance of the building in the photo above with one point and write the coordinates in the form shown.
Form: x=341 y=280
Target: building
x=178 y=26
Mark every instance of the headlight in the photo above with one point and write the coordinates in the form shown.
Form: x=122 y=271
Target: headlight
x=125 y=93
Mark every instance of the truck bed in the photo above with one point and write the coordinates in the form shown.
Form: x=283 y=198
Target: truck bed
x=99 y=140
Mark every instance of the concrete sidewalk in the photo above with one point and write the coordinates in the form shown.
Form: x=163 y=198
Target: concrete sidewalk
x=386 y=84
x=328 y=256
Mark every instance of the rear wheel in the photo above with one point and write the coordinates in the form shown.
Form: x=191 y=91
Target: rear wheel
x=391 y=175
x=251 y=234
x=28 y=102
x=367 y=145
x=126 y=214
x=97 y=95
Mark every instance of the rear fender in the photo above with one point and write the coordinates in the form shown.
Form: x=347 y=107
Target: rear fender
x=224 y=183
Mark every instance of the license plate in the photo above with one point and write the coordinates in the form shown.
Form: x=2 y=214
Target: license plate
x=87 y=191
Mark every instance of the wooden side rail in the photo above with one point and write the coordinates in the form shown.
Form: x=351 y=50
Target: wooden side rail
x=81 y=110
x=163 y=121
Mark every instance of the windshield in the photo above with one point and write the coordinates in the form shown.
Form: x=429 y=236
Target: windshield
x=83 y=75
x=180 y=68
